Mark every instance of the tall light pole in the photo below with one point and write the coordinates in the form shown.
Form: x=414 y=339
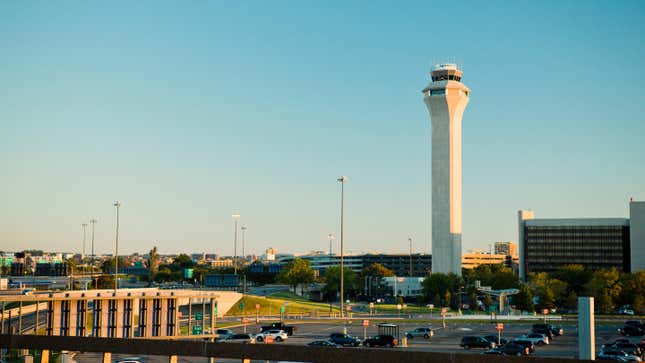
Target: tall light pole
x=92 y=223
x=342 y=181
x=235 y=218
x=411 y=269
x=84 y=225
x=330 y=237
x=117 y=204
x=243 y=228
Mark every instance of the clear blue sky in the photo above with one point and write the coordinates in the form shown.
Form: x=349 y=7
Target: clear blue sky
x=187 y=111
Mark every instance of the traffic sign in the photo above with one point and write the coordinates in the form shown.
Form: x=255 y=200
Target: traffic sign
x=268 y=339
x=348 y=308
x=545 y=311
x=398 y=306
x=444 y=311
x=199 y=316
x=405 y=306
x=371 y=305
x=430 y=306
x=366 y=323
x=282 y=309
x=500 y=326
x=257 y=306
x=197 y=329
x=240 y=306
x=245 y=320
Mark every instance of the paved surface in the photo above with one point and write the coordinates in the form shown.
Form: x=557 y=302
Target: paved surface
x=444 y=340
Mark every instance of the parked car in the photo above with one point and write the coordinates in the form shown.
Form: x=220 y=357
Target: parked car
x=493 y=351
x=526 y=343
x=279 y=326
x=426 y=333
x=610 y=353
x=536 y=338
x=322 y=343
x=632 y=331
x=277 y=335
x=494 y=339
x=513 y=348
x=547 y=329
x=468 y=342
x=344 y=339
x=625 y=346
x=382 y=340
x=223 y=334
x=555 y=330
x=241 y=338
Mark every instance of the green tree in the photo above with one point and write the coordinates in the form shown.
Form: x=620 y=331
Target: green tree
x=376 y=269
x=183 y=261
x=153 y=262
x=605 y=287
x=523 y=300
x=575 y=276
x=633 y=290
x=296 y=272
x=373 y=275
x=332 y=280
x=443 y=285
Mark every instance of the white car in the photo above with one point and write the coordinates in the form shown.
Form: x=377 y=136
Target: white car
x=535 y=338
x=277 y=335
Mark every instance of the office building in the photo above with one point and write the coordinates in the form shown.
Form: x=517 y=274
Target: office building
x=505 y=248
x=473 y=259
x=446 y=98
x=595 y=243
x=400 y=263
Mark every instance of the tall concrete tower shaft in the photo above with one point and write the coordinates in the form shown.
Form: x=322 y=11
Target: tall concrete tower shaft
x=446 y=98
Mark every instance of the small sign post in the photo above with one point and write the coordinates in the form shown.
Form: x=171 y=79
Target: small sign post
x=545 y=312
x=398 y=307
x=443 y=316
x=500 y=327
x=245 y=321
x=257 y=313
x=366 y=323
x=371 y=308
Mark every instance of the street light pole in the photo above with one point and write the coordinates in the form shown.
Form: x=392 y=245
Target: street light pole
x=92 y=223
x=411 y=269
x=330 y=237
x=117 y=204
x=243 y=228
x=84 y=225
x=342 y=181
x=235 y=218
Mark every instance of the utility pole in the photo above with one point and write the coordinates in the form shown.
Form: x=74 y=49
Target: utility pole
x=117 y=204
x=243 y=228
x=411 y=269
x=92 y=224
x=235 y=218
x=342 y=181
x=84 y=225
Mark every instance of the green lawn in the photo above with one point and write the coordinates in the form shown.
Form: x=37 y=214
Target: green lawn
x=271 y=305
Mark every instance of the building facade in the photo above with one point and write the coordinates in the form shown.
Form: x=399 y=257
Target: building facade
x=446 y=98
x=637 y=235
x=473 y=259
x=594 y=243
x=398 y=263
x=505 y=248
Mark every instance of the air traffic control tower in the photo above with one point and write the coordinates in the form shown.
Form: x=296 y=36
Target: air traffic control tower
x=446 y=98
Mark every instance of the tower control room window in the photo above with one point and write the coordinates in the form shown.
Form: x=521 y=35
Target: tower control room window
x=437 y=92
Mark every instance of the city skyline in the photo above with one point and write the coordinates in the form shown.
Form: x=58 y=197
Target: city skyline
x=189 y=114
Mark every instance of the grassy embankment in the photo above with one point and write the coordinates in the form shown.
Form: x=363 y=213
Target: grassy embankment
x=271 y=304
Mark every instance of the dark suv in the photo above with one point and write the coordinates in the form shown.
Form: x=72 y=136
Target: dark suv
x=548 y=329
x=344 y=339
x=475 y=342
x=381 y=341
x=513 y=348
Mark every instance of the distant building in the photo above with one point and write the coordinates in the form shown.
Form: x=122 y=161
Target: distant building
x=473 y=259
x=399 y=263
x=546 y=244
x=269 y=254
x=222 y=281
x=221 y=263
x=405 y=286
x=505 y=248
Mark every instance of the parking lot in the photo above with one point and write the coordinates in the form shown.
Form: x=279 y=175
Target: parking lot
x=444 y=340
